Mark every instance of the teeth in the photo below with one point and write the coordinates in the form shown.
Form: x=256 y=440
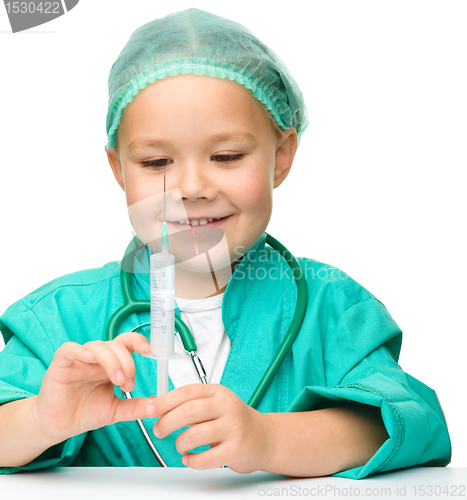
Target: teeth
x=195 y=222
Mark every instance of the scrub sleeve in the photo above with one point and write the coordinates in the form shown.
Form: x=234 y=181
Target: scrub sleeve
x=24 y=359
x=360 y=365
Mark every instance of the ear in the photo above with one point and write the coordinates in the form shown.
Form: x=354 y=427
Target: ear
x=285 y=154
x=116 y=166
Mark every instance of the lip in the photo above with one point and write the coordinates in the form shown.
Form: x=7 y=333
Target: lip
x=214 y=223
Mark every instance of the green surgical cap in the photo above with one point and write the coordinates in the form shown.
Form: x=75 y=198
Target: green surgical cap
x=195 y=41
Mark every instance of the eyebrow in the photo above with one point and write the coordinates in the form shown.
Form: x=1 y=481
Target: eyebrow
x=155 y=143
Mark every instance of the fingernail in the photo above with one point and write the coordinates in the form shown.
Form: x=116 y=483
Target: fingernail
x=129 y=383
x=156 y=430
x=145 y=344
x=184 y=460
x=119 y=375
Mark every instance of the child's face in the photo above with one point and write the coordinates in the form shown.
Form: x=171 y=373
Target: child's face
x=185 y=111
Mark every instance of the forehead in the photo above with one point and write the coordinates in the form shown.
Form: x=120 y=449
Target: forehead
x=200 y=100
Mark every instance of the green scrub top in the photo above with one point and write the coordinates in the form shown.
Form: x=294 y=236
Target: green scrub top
x=347 y=350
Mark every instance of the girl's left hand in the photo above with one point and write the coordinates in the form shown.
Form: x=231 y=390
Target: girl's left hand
x=238 y=436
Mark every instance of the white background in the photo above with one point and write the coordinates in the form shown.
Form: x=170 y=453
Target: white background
x=378 y=186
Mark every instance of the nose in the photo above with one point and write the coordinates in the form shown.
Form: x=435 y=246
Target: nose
x=195 y=183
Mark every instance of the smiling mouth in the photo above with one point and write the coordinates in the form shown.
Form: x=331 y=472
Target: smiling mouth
x=213 y=223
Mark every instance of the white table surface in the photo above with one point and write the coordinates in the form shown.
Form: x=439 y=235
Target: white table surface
x=89 y=483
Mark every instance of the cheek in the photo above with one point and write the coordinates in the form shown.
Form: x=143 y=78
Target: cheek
x=253 y=192
x=137 y=189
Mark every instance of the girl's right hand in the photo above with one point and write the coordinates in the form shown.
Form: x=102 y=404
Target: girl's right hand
x=77 y=393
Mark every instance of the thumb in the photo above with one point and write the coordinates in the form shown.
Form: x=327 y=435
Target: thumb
x=131 y=409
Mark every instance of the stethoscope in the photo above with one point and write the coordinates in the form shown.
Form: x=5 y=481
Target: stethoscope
x=131 y=305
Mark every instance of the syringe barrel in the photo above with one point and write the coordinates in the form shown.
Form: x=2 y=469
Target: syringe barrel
x=162 y=289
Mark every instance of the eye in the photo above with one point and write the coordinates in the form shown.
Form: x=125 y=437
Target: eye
x=225 y=159
x=155 y=164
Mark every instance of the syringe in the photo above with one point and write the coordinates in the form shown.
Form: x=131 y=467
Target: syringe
x=162 y=310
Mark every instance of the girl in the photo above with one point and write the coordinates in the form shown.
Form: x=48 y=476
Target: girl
x=199 y=101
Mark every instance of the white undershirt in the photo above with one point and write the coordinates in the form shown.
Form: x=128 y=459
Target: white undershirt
x=204 y=319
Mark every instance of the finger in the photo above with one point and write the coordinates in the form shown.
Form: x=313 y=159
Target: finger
x=189 y=413
x=175 y=398
x=124 y=345
x=69 y=352
x=207 y=433
x=133 y=342
x=127 y=363
x=108 y=359
x=130 y=409
x=209 y=459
